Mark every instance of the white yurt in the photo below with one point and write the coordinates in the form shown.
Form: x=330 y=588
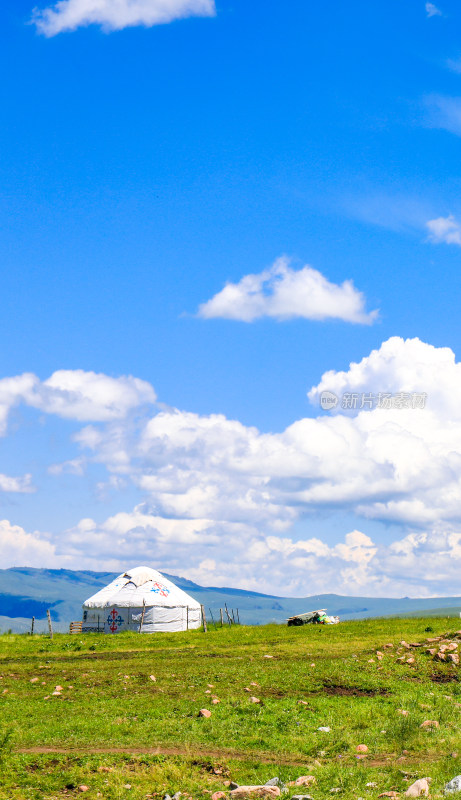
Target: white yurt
x=142 y=600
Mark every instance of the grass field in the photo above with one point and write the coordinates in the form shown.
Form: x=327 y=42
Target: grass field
x=115 y=730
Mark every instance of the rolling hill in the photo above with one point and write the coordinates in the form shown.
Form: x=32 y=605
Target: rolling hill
x=27 y=592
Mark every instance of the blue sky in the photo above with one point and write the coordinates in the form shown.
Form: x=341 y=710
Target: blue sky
x=144 y=167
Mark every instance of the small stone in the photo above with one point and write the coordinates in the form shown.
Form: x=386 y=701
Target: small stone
x=255 y=791
x=453 y=786
x=253 y=683
x=361 y=748
x=304 y=780
x=371 y=661
x=176 y=796
x=301 y=797
x=33 y=680
x=429 y=723
x=372 y=784
x=59 y=688
x=204 y=712
x=166 y=797
x=275 y=782
x=207 y=691
x=127 y=785
x=83 y=788
x=335 y=790
x=389 y=794
x=403 y=712
x=218 y=796
x=215 y=701
x=255 y=700
x=210 y=685
x=379 y=655
x=418 y=788
x=153 y=678
x=56 y=693
x=268 y=656
x=324 y=729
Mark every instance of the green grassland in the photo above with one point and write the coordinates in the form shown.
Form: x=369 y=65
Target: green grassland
x=124 y=735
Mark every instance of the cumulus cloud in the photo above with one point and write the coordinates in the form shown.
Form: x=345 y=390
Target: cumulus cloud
x=243 y=556
x=285 y=293
x=67 y=15
x=400 y=465
x=75 y=394
x=432 y=10
x=21 y=485
x=217 y=492
x=19 y=548
x=444 y=229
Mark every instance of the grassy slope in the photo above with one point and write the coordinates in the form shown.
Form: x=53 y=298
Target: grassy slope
x=110 y=703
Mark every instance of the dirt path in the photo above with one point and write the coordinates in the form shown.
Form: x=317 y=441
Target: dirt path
x=197 y=753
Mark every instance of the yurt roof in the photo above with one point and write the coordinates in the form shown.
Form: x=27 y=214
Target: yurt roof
x=141 y=584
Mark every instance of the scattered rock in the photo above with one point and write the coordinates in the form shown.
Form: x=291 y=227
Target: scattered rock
x=210 y=685
x=253 y=683
x=56 y=693
x=389 y=794
x=215 y=701
x=176 y=796
x=453 y=786
x=127 y=785
x=304 y=780
x=389 y=644
x=33 y=680
x=301 y=797
x=83 y=788
x=204 y=712
x=166 y=797
x=255 y=791
x=153 y=678
x=303 y=703
x=324 y=729
x=218 y=796
x=403 y=712
x=379 y=655
x=335 y=790
x=418 y=788
x=404 y=644
x=255 y=700
x=268 y=656
x=233 y=785
x=372 y=784
x=361 y=748
x=400 y=660
x=429 y=723
x=207 y=691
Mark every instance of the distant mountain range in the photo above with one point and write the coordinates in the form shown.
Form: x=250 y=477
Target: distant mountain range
x=26 y=592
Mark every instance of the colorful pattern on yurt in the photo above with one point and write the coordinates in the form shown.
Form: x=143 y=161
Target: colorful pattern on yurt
x=114 y=620
x=160 y=589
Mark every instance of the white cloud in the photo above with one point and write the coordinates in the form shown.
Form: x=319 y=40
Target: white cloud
x=21 y=549
x=22 y=485
x=240 y=555
x=75 y=394
x=432 y=10
x=284 y=293
x=444 y=229
x=397 y=465
x=67 y=15
x=217 y=491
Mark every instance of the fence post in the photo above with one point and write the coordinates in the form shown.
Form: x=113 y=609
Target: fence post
x=142 y=616
x=238 y=618
x=204 y=619
x=32 y=626
x=228 y=617
x=50 y=627
x=222 y=622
